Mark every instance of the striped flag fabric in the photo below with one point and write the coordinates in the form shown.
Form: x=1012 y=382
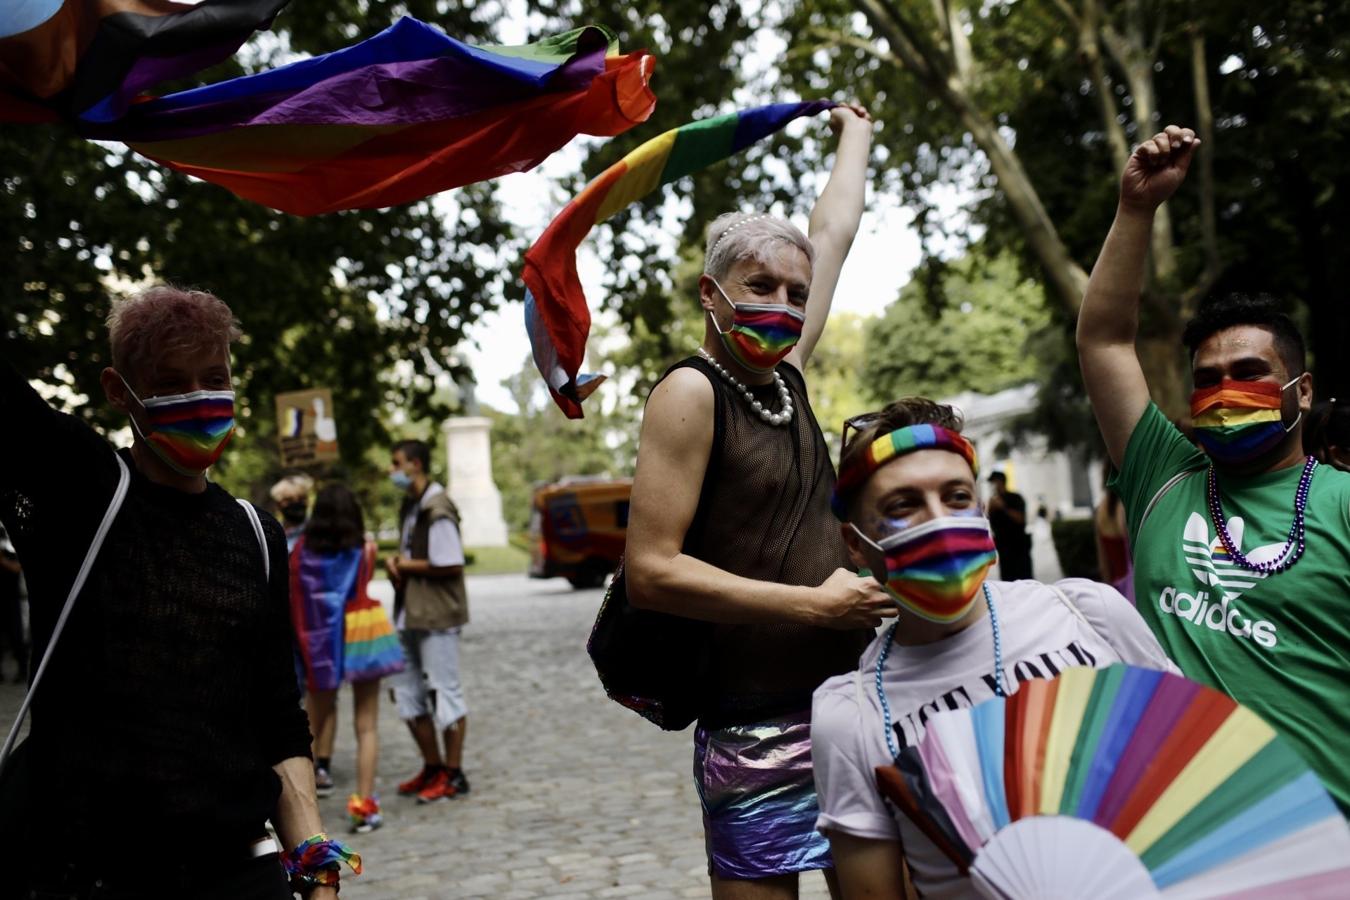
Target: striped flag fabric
x=556 y=315
x=85 y=60
x=1121 y=782
x=393 y=119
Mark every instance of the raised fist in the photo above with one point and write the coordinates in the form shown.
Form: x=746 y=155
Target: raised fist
x=846 y=114
x=1157 y=167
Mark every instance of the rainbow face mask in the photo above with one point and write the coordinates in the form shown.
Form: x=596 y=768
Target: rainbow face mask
x=761 y=333
x=1240 y=421
x=934 y=569
x=187 y=431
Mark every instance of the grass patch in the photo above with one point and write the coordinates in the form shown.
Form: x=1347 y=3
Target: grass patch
x=508 y=560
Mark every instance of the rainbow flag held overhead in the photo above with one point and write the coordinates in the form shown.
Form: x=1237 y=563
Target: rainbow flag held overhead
x=85 y=60
x=556 y=315
x=393 y=119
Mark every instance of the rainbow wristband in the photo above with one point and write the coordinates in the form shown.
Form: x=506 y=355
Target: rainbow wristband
x=317 y=861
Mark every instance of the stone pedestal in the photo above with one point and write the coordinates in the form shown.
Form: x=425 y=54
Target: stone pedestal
x=468 y=448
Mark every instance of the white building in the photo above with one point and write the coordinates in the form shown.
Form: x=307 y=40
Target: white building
x=1063 y=483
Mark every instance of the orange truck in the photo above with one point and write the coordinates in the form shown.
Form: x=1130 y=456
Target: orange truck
x=577 y=529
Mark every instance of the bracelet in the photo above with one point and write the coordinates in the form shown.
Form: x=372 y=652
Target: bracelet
x=317 y=862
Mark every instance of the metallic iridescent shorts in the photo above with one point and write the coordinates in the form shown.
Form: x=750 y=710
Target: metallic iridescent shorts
x=759 y=798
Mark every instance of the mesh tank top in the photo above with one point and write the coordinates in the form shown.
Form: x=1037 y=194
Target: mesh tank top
x=764 y=513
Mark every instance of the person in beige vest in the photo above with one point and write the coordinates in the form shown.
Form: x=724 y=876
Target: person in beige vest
x=430 y=607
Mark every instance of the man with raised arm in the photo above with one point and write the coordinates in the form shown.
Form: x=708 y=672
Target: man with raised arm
x=731 y=524
x=1242 y=552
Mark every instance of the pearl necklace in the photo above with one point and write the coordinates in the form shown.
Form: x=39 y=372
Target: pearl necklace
x=999 y=688
x=1293 y=547
x=782 y=417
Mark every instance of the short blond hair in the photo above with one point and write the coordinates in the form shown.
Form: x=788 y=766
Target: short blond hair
x=165 y=319
x=733 y=237
x=300 y=482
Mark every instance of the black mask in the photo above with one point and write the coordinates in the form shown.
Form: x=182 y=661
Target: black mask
x=294 y=513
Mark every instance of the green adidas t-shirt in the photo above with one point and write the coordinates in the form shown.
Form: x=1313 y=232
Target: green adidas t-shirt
x=1278 y=644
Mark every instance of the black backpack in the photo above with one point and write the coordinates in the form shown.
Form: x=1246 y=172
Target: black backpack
x=654 y=663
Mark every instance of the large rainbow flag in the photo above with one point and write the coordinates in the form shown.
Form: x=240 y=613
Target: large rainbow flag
x=405 y=114
x=556 y=314
x=87 y=59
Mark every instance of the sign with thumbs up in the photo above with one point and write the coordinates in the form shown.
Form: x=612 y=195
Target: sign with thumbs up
x=306 y=429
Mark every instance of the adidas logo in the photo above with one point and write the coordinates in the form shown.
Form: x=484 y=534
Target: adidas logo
x=1216 y=608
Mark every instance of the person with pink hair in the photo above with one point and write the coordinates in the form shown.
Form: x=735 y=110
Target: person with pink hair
x=177 y=656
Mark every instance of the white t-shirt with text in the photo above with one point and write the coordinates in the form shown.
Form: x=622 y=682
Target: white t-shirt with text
x=1041 y=636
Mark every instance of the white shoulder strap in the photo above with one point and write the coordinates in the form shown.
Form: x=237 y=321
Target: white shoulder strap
x=1073 y=607
x=262 y=538
x=119 y=494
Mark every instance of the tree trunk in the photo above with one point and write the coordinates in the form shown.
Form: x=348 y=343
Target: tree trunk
x=1204 y=125
x=1089 y=49
x=1136 y=57
x=916 y=50
x=1067 y=279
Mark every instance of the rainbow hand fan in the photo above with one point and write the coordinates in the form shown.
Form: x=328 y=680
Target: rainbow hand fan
x=1121 y=783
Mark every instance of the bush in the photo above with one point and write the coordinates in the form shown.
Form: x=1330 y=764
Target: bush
x=1076 y=544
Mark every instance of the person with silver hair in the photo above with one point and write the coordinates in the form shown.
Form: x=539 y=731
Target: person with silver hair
x=730 y=524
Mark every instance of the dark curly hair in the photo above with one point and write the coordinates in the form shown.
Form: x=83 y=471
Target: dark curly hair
x=860 y=431
x=1261 y=310
x=336 y=524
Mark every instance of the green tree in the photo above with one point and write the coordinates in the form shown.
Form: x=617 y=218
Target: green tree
x=1022 y=109
x=1025 y=111
x=368 y=303
x=538 y=444
x=1031 y=107
x=976 y=339
x=703 y=50
x=837 y=374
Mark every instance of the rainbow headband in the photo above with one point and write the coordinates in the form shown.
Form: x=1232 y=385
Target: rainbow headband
x=888 y=447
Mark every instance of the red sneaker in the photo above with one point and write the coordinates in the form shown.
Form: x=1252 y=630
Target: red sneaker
x=419 y=781
x=437 y=788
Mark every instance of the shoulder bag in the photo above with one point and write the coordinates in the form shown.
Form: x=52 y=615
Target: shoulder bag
x=653 y=663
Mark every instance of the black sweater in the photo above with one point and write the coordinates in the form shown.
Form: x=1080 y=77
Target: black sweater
x=172 y=691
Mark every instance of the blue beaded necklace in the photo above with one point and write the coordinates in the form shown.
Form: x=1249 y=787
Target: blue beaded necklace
x=999 y=689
